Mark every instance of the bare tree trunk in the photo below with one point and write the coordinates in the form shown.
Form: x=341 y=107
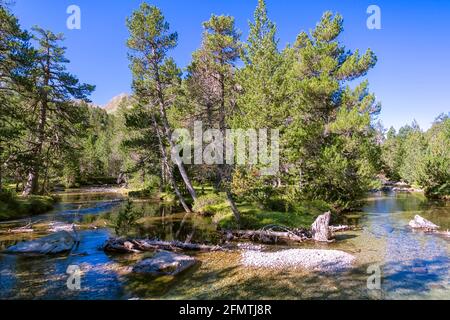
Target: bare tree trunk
x=168 y=135
x=233 y=206
x=178 y=161
x=31 y=186
x=224 y=169
x=168 y=168
x=320 y=228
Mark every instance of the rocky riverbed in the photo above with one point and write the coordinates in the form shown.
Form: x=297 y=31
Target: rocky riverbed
x=310 y=259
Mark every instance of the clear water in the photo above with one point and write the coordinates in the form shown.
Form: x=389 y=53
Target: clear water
x=412 y=264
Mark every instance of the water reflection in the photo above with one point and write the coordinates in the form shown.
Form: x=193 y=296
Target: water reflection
x=414 y=264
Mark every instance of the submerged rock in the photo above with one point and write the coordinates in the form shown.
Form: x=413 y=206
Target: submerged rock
x=60 y=226
x=310 y=259
x=55 y=243
x=164 y=263
x=421 y=223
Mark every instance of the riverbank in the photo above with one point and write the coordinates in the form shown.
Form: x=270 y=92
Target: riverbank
x=409 y=271
x=16 y=207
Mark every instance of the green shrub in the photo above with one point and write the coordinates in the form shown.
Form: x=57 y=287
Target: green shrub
x=126 y=219
x=7 y=196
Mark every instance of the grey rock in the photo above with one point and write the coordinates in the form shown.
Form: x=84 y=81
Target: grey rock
x=59 y=242
x=421 y=223
x=164 y=263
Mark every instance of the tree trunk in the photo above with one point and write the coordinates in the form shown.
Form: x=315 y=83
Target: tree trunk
x=224 y=169
x=178 y=161
x=31 y=186
x=320 y=228
x=233 y=206
x=137 y=245
x=168 y=135
x=168 y=168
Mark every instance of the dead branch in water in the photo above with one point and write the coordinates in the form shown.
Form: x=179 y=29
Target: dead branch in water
x=121 y=245
x=272 y=234
x=269 y=235
x=25 y=229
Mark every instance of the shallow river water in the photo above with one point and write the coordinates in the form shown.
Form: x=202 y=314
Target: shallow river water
x=412 y=265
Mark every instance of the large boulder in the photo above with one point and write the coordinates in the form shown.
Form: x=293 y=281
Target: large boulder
x=421 y=223
x=59 y=242
x=164 y=263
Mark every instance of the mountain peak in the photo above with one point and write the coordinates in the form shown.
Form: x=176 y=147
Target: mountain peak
x=115 y=102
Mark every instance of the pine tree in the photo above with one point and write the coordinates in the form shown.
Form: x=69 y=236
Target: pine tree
x=156 y=74
x=329 y=137
x=213 y=71
x=16 y=58
x=53 y=109
x=263 y=101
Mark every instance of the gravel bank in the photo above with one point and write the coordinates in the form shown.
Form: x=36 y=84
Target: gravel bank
x=312 y=259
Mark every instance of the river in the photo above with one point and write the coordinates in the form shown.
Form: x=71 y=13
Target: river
x=413 y=265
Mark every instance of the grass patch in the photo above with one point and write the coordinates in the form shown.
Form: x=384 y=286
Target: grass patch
x=253 y=218
x=14 y=207
x=209 y=204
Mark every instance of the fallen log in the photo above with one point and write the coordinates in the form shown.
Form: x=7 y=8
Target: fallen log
x=342 y=228
x=121 y=245
x=269 y=236
x=25 y=229
x=21 y=230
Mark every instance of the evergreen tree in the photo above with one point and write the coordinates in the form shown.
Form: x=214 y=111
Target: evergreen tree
x=16 y=58
x=53 y=112
x=156 y=75
x=263 y=100
x=213 y=71
x=329 y=138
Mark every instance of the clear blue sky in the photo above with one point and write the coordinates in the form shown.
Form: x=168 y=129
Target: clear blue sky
x=413 y=46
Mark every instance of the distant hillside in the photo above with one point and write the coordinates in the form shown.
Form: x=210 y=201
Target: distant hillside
x=114 y=103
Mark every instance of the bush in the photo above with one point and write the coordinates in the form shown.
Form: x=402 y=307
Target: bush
x=250 y=186
x=209 y=204
x=7 y=196
x=126 y=219
x=144 y=189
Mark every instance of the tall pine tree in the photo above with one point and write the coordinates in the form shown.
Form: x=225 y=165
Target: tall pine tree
x=53 y=109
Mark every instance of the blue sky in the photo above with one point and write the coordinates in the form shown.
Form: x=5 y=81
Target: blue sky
x=413 y=46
